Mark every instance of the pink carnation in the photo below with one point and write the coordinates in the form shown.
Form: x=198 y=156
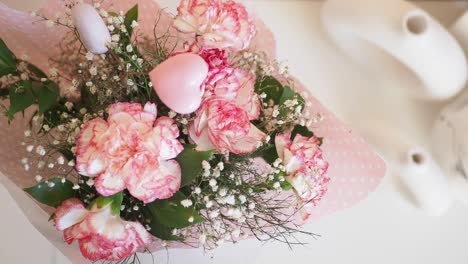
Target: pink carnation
x=306 y=168
x=222 y=125
x=100 y=234
x=238 y=87
x=222 y=24
x=232 y=84
x=132 y=150
x=218 y=65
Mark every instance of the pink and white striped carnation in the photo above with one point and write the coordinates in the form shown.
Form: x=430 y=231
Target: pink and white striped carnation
x=131 y=150
x=221 y=124
x=230 y=83
x=221 y=24
x=100 y=234
x=305 y=168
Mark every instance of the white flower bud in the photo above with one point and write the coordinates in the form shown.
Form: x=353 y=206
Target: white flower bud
x=93 y=31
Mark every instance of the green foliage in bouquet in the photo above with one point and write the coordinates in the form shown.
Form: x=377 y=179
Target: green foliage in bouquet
x=166 y=215
x=23 y=93
x=7 y=60
x=53 y=192
x=190 y=162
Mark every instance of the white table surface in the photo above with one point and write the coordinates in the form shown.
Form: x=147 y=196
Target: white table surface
x=382 y=229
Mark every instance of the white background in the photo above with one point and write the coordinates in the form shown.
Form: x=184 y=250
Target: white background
x=382 y=229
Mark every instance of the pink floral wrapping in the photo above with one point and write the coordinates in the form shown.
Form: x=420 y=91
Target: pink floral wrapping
x=355 y=170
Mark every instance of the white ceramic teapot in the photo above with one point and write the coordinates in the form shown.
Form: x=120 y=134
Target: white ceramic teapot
x=450 y=131
x=403 y=43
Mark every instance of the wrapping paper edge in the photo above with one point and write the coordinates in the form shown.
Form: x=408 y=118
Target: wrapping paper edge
x=39 y=219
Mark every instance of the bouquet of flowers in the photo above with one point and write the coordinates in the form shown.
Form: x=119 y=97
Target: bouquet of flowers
x=188 y=135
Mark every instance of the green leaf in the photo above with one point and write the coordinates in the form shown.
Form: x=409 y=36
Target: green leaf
x=52 y=118
x=7 y=60
x=285 y=185
x=163 y=232
x=47 y=95
x=52 y=196
x=271 y=87
x=320 y=139
x=130 y=16
x=21 y=97
x=171 y=213
x=36 y=71
x=288 y=94
x=304 y=131
x=115 y=202
x=25 y=93
x=190 y=162
x=301 y=130
x=270 y=154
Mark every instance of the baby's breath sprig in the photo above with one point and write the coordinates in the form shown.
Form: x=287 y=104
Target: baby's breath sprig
x=237 y=201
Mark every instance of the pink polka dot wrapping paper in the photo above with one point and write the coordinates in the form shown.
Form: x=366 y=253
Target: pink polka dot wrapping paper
x=355 y=169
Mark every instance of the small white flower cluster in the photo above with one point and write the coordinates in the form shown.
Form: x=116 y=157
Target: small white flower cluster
x=259 y=64
x=47 y=183
x=227 y=199
x=291 y=112
x=221 y=201
x=43 y=142
x=43 y=160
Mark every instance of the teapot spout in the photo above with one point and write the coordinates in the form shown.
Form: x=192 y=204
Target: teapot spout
x=416 y=176
x=415 y=23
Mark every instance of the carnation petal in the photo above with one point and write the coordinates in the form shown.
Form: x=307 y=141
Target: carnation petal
x=165 y=132
x=91 y=250
x=127 y=113
x=249 y=142
x=306 y=195
x=69 y=213
x=89 y=160
x=111 y=181
x=202 y=140
x=151 y=108
x=102 y=222
x=183 y=25
x=201 y=120
x=142 y=237
x=124 y=107
x=75 y=232
x=246 y=98
x=133 y=237
x=151 y=180
x=95 y=167
x=281 y=142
